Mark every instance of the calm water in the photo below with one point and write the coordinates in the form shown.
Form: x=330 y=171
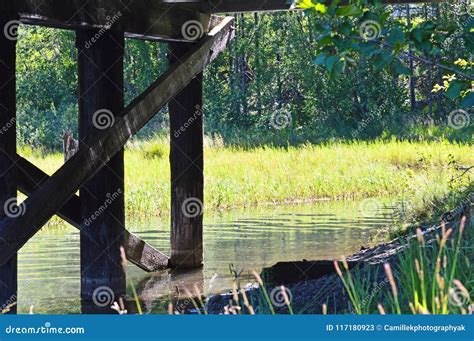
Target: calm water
x=249 y=239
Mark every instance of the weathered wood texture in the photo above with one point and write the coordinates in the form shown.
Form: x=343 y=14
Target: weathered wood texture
x=187 y=178
x=138 y=252
x=143 y=19
x=101 y=99
x=54 y=192
x=8 y=270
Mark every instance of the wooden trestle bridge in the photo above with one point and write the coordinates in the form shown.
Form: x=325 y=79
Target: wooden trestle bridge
x=196 y=37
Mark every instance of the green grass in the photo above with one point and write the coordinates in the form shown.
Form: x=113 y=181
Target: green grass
x=429 y=277
x=426 y=278
x=237 y=177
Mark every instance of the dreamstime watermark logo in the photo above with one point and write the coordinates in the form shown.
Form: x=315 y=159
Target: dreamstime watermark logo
x=458 y=210
x=103 y=296
x=12 y=301
x=464 y=7
x=192 y=30
x=103 y=119
x=281 y=119
x=110 y=198
x=371 y=117
x=377 y=288
x=459 y=119
x=12 y=209
x=212 y=280
x=50 y=54
x=192 y=207
x=458 y=297
x=370 y=207
x=10 y=30
x=197 y=113
x=281 y=296
x=110 y=21
x=370 y=30
x=46 y=329
x=7 y=126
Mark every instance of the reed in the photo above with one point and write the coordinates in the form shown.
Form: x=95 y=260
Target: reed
x=429 y=277
x=239 y=177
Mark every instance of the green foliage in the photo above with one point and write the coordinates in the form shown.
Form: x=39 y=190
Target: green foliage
x=332 y=170
x=48 y=84
x=366 y=29
x=429 y=277
x=287 y=78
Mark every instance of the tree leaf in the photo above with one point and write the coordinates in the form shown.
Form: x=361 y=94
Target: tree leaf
x=396 y=37
x=319 y=60
x=349 y=11
x=381 y=60
x=330 y=62
x=468 y=101
x=454 y=90
x=400 y=68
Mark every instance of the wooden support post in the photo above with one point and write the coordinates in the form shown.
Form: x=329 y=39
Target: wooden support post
x=55 y=191
x=29 y=178
x=102 y=196
x=187 y=179
x=8 y=205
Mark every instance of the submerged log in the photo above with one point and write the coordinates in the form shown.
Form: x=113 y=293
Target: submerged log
x=284 y=273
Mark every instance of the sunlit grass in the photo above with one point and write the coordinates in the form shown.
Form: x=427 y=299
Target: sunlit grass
x=429 y=277
x=236 y=177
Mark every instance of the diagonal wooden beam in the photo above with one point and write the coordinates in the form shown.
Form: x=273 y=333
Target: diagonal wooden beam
x=42 y=204
x=138 y=252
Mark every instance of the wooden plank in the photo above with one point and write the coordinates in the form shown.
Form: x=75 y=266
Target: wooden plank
x=138 y=252
x=101 y=97
x=229 y=6
x=8 y=270
x=47 y=200
x=143 y=19
x=187 y=164
x=232 y=6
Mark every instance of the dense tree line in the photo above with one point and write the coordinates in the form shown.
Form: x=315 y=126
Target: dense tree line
x=269 y=86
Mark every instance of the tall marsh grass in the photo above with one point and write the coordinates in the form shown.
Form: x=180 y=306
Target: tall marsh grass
x=430 y=276
x=237 y=177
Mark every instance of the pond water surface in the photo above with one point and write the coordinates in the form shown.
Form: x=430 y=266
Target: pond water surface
x=249 y=239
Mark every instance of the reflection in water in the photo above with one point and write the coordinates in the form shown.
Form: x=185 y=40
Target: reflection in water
x=248 y=239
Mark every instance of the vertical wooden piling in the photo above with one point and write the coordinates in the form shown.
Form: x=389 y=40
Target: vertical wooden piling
x=102 y=197
x=8 y=272
x=187 y=179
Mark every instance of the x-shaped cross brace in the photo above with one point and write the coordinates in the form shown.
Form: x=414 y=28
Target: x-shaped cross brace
x=53 y=193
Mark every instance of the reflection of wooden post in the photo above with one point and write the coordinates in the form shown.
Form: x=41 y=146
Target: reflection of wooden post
x=8 y=272
x=187 y=179
x=102 y=196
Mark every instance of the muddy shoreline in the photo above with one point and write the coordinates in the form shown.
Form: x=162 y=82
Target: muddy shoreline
x=312 y=284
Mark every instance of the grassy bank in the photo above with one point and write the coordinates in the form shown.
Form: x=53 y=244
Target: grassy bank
x=235 y=177
x=431 y=274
